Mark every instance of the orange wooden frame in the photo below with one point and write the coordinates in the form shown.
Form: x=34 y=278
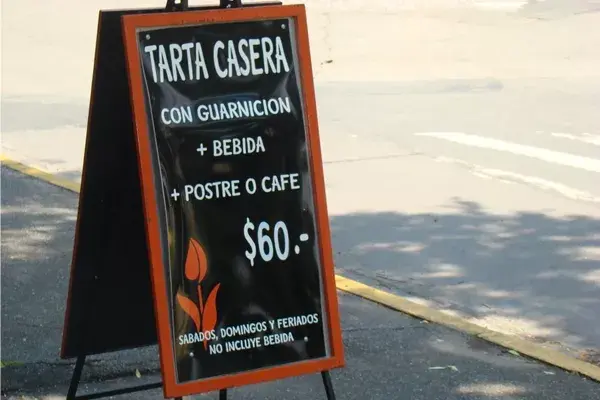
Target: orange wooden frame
x=131 y=24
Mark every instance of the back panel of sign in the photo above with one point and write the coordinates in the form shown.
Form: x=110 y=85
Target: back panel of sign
x=110 y=303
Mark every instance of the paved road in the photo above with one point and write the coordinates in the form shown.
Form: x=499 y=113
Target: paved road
x=494 y=213
x=464 y=173
x=389 y=355
x=461 y=146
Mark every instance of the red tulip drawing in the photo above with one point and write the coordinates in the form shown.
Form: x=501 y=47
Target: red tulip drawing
x=203 y=314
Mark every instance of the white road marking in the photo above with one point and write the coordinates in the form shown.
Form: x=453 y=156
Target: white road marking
x=512 y=177
x=585 y=138
x=555 y=157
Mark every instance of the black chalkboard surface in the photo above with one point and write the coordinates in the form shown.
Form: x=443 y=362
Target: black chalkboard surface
x=234 y=200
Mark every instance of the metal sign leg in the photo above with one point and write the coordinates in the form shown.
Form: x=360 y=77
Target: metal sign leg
x=328 y=385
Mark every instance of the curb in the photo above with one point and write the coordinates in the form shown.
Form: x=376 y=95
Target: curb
x=39 y=174
x=511 y=342
x=395 y=302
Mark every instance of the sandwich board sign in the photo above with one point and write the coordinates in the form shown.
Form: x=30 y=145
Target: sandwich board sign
x=236 y=223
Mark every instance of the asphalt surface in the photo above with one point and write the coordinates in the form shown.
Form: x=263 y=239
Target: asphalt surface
x=461 y=146
x=389 y=355
x=493 y=213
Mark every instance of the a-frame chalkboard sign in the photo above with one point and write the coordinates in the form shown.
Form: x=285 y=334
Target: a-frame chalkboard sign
x=202 y=222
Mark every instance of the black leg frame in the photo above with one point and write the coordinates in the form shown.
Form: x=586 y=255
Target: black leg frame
x=75 y=379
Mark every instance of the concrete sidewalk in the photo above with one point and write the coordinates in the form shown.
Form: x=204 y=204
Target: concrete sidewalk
x=389 y=355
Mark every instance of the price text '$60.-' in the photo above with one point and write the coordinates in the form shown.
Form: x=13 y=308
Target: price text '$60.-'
x=269 y=244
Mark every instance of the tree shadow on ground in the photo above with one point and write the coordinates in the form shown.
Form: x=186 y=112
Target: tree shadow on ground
x=38 y=222
x=527 y=273
x=387 y=353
